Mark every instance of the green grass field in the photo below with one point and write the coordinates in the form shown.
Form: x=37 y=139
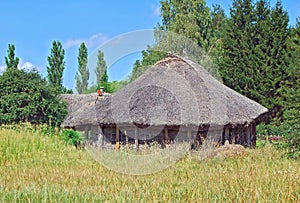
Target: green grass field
x=37 y=168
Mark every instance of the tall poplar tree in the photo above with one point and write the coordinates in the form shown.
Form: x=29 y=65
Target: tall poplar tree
x=82 y=76
x=10 y=60
x=56 y=66
x=101 y=69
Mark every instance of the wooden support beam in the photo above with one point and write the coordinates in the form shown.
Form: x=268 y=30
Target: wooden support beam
x=226 y=134
x=126 y=139
x=253 y=135
x=136 y=137
x=117 y=138
x=100 y=136
x=166 y=137
x=248 y=136
x=233 y=134
x=242 y=136
x=86 y=134
x=238 y=136
x=189 y=134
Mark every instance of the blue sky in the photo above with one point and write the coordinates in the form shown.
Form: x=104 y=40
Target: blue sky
x=32 y=25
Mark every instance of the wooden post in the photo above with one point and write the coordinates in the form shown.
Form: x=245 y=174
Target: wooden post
x=189 y=134
x=117 y=138
x=226 y=134
x=248 y=136
x=136 y=137
x=242 y=136
x=86 y=134
x=126 y=139
x=253 y=135
x=166 y=137
x=238 y=136
x=233 y=133
x=100 y=136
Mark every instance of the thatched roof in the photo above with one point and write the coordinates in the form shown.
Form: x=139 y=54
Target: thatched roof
x=78 y=103
x=175 y=91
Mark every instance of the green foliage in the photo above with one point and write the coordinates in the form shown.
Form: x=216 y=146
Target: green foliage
x=150 y=57
x=101 y=68
x=46 y=130
x=236 y=46
x=72 y=137
x=56 y=66
x=104 y=81
x=254 y=58
x=110 y=87
x=66 y=91
x=10 y=60
x=104 y=77
x=82 y=76
x=260 y=143
x=292 y=91
x=92 y=89
x=26 y=97
x=113 y=86
x=260 y=59
x=289 y=129
x=189 y=18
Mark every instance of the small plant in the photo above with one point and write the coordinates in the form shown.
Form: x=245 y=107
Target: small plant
x=72 y=137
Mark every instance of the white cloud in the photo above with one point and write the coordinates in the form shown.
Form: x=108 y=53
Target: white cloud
x=91 y=42
x=2 y=69
x=155 y=10
x=27 y=66
x=72 y=42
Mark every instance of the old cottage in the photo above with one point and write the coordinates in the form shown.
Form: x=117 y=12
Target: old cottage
x=174 y=100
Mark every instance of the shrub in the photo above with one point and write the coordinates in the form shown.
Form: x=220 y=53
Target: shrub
x=26 y=97
x=72 y=137
x=289 y=129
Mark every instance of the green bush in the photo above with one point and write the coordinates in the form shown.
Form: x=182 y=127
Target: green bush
x=72 y=137
x=26 y=97
x=289 y=129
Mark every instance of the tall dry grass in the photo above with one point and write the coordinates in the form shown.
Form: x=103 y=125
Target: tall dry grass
x=37 y=168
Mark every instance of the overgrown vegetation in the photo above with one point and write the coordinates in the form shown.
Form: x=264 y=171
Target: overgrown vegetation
x=43 y=169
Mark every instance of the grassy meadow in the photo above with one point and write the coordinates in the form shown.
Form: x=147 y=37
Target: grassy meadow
x=38 y=168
